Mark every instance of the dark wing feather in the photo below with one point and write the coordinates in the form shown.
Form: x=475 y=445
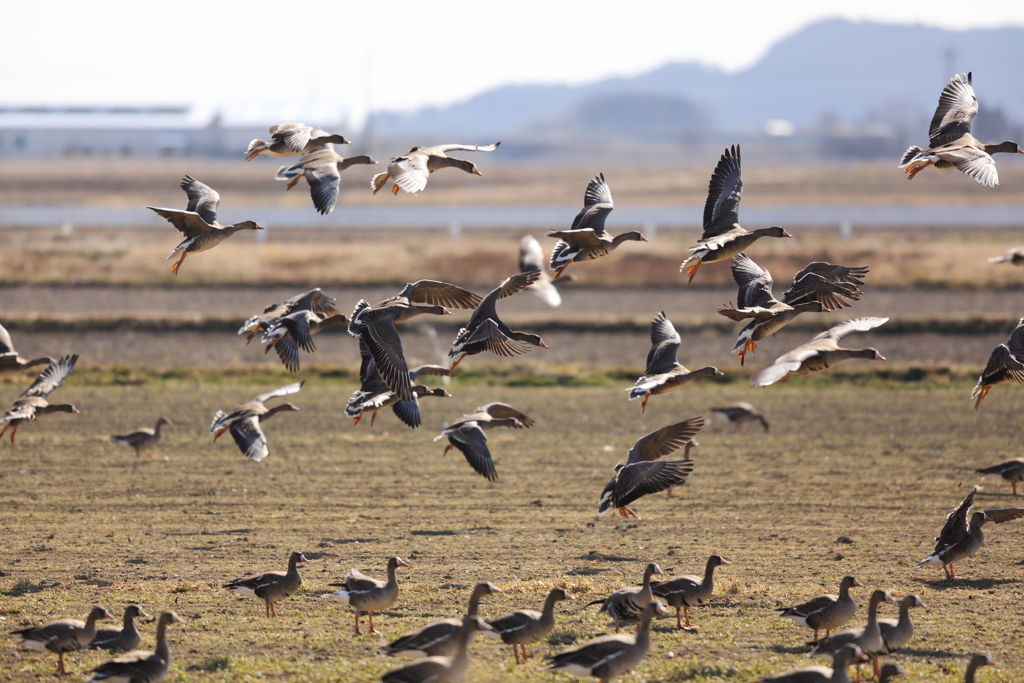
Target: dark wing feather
x=721 y=211
x=472 y=441
x=288 y=351
x=955 y=528
x=665 y=441
x=1000 y=515
x=1002 y=367
x=956 y=110
x=501 y=411
x=597 y=204
x=250 y=438
x=324 y=184
x=516 y=283
x=644 y=478
x=408 y=412
x=755 y=283
x=381 y=337
x=202 y=199
x=313 y=300
x=51 y=378
x=435 y=293
x=665 y=343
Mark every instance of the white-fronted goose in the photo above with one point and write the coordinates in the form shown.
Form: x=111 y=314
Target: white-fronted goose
x=690 y=445
x=364 y=594
x=1011 y=470
x=120 y=639
x=375 y=325
x=531 y=257
x=867 y=637
x=958 y=540
x=818 y=287
x=897 y=633
x=439 y=669
x=63 y=635
x=411 y=170
x=468 y=434
x=198 y=223
x=684 y=592
x=950 y=143
x=294 y=331
x=723 y=237
x=1005 y=364
x=1014 y=256
x=143 y=439
x=822 y=352
x=322 y=168
x=890 y=672
x=486 y=332
x=627 y=604
x=827 y=611
x=610 y=656
x=314 y=300
x=32 y=403
x=664 y=372
x=9 y=358
x=741 y=413
x=439 y=638
x=978 y=660
x=244 y=422
x=271 y=587
x=644 y=473
x=291 y=139
x=374 y=394
x=141 y=666
x=842 y=658
x=526 y=626
x=587 y=239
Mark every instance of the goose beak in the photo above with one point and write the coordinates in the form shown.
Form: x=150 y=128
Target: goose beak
x=476 y=171
x=786 y=234
x=643 y=239
x=402 y=563
x=879 y=356
x=143 y=614
x=858 y=583
x=570 y=596
x=726 y=562
x=544 y=345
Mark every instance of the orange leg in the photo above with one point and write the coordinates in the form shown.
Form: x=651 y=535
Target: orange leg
x=515 y=651
x=357 y=418
x=643 y=406
x=174 y=268
x=372 y=629
x=148 y=452
x=525 y=657
x=252 y=335
x=686 y=618
x=60 y=663
x=913 y=170
x=560 y=269
x=216 y=435
x=984 y=393
x=373 y=418
x=294 y=181
x=394 y=190
x=456 y=364
x=447 y=448
x=669 y=492
x=626 y=512
x=358 y=632
x=14 y=430
x=691 y=272
x=679 y=624
x=874 y=661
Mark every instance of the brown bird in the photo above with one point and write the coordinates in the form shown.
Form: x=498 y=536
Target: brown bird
x=143 y=439
x=526 y=626
x=373 y=394
x=294 y=331
x=411 y=170
x=322 y=168
x=822 y=352
x=244 y=422
x=63 y=635
x=684 y=592
x=364 y=594
x=32 y=403
x=1005 y=364
x=141 y=666
x=468 y=434
x=314 y=300
x=271 y=587
x=290 y=139
x=664 y=372
x=120 y=639
x=440 y=638
x=9 y=358
x=741 y=413
x=827 y=611
x=1011 y=470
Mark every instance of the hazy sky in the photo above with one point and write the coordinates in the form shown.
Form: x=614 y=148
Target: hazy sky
x=258 y=56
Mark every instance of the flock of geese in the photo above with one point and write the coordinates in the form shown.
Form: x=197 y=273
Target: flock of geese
x=386 y=380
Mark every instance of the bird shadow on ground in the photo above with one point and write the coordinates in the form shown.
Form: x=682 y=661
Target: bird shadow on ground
x=931 y=653
x=976 y=584
x=792 y=650
x=592 y=555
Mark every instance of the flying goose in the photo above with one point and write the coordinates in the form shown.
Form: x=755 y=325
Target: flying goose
x=587 y=239
x=314 y=300
x=411 y=170
x=364 y=594
x=291 y=139
x=439 y=638
x=1005 y=364
x=63 y=635
x=1011 y=470
x=271 y=587
x=644 y=473
x=1014 y=256
x=627 y=604
x=827 y=611
x=143 y=440
x=842 y=658
x=531 y=257
x=723 y=237
x=867 y=637
x=440 y=669
x=525 y=626
x=244 y=422
x=468 y=434
x=294 y=331
x=198 y=223
x=741 y=413
x=950 y=143
x=688 y=590
x=322 y=167
x=818 y=287
x=823 y=351
x=121 y=639
x=141 y=666
x=664 y=372
x=373 y=394
x=32 y=403
x=9 y=358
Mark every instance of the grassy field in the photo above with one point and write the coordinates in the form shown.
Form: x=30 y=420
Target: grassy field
x=854 y=477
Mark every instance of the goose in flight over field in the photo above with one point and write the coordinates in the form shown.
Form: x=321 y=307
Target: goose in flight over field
x=244 y=422
x=294 y=331
x=1005 y=364
x=322 y=168
x=373 y=394
x=9 y=358
x=411 y=170
x=314 y=300
x=664 y=372
x=823 y=351
x=1014 y=256
x=32 y=403
x=469 y=434
x=531 y=257
x=741 y=413
x=291 y=139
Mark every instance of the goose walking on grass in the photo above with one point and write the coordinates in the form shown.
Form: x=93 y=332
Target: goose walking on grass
x=364 y=594
x=9 y=358
x=1011 y=471
x=291 y=139
x=271 y=587
x=827 y=611
x=526 y=626
x=32 y=403
x=295 y=331
x=643 y=473
x=723 y=237
x=867 y=637
x=63 y=635
x=440 y=638
x=321 y=167
x=587 y=239
x=244 y=422
x=141 y=666
x=531 y=257
x=664 y=372
x=468 y=434
x=373 y=394
x=411 y=170
x=120 y=639
x=143 y=439
x=842 y=658
x=314 y=300
x=684 y=592
x=441 y=669
x=818 y=287
x=822 y=352
x=1005 y=364
x=950 y=143
x=627 y=604
x=198 y=223
x=896 y=633
x=741 y=413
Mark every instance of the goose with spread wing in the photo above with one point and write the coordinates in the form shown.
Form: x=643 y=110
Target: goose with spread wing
x=9 y=358
x=244 y=422
x=291 y=139
x=411 y=170
x=469 y=434
x=32 y=403
x=373 y=394
x=531 y=257
x=1014 y=256
x=1005 y=364
x=294 y=331
x=823 y=351
x=314 y=300
x=644 y=473
x=818 y=287
x=664 y=372
x=950 y=143
x=321 y=167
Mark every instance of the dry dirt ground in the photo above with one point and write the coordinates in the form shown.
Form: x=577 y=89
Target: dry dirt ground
x=854 y=477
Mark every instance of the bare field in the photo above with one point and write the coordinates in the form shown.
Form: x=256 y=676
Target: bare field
x=83 y=523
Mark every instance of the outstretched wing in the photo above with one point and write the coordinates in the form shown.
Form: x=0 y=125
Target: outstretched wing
x=846 y=327
x=1000 y=515
x=828 y=284
x=472 y=441
x=250 y=438
x=283 y=391
x=501 y=411
x=665 y=441
x=464 y=148
x=293 y=136
x=531 y=255
x=51 y=378
x=955 y=528
x=436 y=293
x=202 y=199
x=665 y=343
x=956 y=110
x=597 y=204
x=313 y=300
x=755 y=283
x=644 y=478
x=722 y=208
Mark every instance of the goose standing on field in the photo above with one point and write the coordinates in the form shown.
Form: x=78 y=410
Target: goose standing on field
x=627 y=604
x=322 y=169
x=143 y=439
x=364 y=594
x=643 y=473
x=198 y=223
x=741 y=413
x=486 y=332
x=440 y=638
x=1014 y=256
x=587 y=239
x=373 y=394
x=950 y=142
x=664 y=372
x=526 y=626
x=295 y=331
x=120 y=639
x=890 y=672
x=271 y=587
x=611 y=656
x=63 y=635
x=32 y=403
x=440 y=669
x=314 y=300
x=531 y=257
x=468 y=434
x=818 y=287
x=827 y=611
x=978 y=660
x=1005 y=364
x=823 y=351
x=689 y=590
x=897 y=633
x=9 y=358
x=141 y=666
x=411 y=170
x=244 y=422
x=292 y=139
x=867 y=637
x=1011 y=470
x=723 y=237
x=842 y=658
